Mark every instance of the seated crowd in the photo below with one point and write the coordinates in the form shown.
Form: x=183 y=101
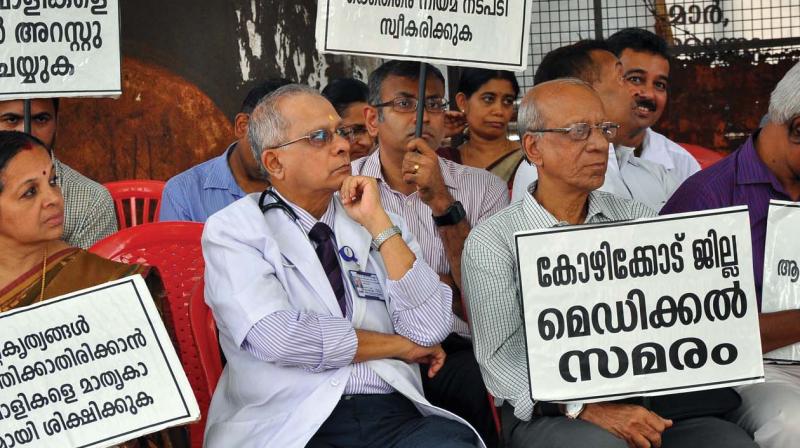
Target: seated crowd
x=364 y=280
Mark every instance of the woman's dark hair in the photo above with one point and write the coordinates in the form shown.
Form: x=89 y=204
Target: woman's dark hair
x=343 y=92
x=472 y=79
x=11 y=143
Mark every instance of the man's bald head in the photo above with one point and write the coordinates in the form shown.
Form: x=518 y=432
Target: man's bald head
x=565 y=163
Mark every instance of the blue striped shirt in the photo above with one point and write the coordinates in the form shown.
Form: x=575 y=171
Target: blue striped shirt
x=316 y=342
x=200 y=191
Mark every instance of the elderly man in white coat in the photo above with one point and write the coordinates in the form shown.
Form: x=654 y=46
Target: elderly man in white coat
x=323 y=302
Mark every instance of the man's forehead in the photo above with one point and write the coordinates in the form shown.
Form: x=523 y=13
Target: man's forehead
x=309 y=111
x=644 y=61
x=37 y=106
x=395 y=85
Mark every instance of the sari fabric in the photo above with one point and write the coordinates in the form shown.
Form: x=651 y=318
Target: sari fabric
x=73 y=269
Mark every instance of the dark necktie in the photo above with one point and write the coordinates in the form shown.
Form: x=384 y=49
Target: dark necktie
x=326 y=251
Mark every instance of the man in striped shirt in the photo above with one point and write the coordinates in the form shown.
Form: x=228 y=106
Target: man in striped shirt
x=440 y=201
x=565 y=133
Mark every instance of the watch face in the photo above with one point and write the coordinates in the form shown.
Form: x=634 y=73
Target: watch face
x=574 y=409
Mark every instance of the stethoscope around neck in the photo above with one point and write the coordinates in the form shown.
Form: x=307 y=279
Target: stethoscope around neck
x=278 y=204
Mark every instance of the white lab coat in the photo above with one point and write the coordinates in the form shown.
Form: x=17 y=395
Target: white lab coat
x=257 y=264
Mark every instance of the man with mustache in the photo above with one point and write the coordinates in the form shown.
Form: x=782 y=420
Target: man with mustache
x=440 y=200
x=645 y=63
x=626 y=176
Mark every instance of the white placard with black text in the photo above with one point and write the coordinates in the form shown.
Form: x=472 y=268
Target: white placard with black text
x=59 y=49
x=781 y=285
x=92 y=368
x=474 y=33
x=648 y=307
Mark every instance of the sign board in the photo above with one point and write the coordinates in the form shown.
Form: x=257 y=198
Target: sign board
x=781 y=285
x=648 y=307
x=93 y=368
x=59 y=49
x=475 y=33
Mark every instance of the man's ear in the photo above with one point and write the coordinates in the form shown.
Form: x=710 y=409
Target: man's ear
x=240 y=123
x=530 y=144
x=371 y=120
x=272 y=164
x=794 y=131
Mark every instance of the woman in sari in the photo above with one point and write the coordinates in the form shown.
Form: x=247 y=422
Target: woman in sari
x=35 y=265
x=486 y=98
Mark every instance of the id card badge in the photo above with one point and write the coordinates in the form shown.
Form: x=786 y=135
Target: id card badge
x=366 y=285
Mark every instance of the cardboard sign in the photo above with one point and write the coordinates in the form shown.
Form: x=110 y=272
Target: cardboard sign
x=647 y=307
x=475 y=33
x=781 y=288
x=59 y=49
x=93 y=368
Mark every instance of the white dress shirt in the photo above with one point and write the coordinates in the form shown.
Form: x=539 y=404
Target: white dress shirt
x=627 y=176
x=663 y=151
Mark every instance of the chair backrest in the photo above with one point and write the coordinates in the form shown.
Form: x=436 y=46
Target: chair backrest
x=704 y=156
x=174 y=248
x=136 y=201
x=204 y=330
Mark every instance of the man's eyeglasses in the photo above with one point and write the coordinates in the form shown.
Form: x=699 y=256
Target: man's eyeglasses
x=404 y=104
x=322 y=137
x=581 y=131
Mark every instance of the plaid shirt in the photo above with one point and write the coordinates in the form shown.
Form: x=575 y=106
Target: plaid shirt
x=489 y=278
x=88 y=208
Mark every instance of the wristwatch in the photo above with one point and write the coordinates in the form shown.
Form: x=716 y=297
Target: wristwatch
x=385 y=235
x=573 y=410
x=453 y=215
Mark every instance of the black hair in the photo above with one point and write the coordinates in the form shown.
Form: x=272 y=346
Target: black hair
x=343 y=92
x=638 y=39
x=11 y=143
x=260 y=91
x=571 y=61
x=472 y=79
x=402 y=69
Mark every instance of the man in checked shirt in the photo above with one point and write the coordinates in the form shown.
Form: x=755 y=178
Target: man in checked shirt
x=440 y=201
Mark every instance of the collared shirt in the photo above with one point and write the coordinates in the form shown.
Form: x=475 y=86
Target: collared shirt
x=307 y=336
x=672 y=156
x=627 y=176
x=481 y=193
x=89 y=214
x=200 y=191
x=491 y=286
x=742 y=178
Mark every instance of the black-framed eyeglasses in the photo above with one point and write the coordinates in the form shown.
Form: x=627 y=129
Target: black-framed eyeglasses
x=321 y=137
x=581 y=131
x=402 y=104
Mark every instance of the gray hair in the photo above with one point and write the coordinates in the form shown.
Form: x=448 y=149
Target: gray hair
x=529 y=116
x=268 y=126
x=784 y=103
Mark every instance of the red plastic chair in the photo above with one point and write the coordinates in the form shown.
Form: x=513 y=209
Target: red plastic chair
x=704 y=156
x=173 y=248
x=204 y=330
x=136 y=201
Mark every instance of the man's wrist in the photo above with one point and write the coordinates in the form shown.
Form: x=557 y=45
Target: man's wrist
x=440 y=204
x=378 y=224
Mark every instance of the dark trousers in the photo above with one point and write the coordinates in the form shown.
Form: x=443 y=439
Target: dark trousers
x=562 y=432
x=387 y=421
x=459 y=388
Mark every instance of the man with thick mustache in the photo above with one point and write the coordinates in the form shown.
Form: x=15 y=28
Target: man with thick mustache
x=440 y=200
x=645 y=64
x=627 y=176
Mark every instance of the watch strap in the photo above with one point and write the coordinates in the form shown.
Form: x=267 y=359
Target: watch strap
x=385 y=235
x=453 y=215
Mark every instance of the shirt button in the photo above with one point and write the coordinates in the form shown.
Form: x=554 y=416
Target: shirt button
x=334 y=383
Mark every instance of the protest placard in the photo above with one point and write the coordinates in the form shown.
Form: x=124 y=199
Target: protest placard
x=780 y=289
x=59 y=48
x=476 y=33
x=648 y=307
x=92 y=368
